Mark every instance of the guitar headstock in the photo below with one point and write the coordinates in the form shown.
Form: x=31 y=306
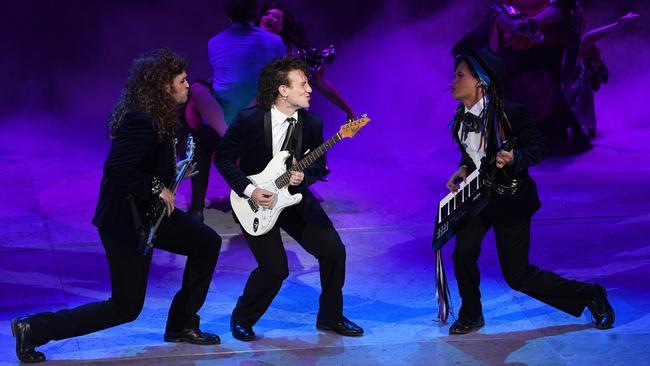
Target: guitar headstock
x=189 y=149
x=352 y=127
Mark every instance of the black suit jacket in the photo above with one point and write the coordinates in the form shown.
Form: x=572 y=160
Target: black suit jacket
x=528 y=152
x=136 y=156
x=249 y=140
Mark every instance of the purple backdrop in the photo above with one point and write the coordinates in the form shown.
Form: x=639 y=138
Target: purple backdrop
x=64 y=64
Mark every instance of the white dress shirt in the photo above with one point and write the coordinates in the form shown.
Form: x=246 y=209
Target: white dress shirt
x=279 y=127
x=472 y=144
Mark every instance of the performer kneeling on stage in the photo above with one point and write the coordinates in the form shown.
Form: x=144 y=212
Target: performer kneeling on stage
x=138 y=171
x=484 y=123
x=279 y=122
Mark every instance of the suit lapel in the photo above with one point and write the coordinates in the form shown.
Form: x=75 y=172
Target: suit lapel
x=268 y=135
x=297 y=134
x=454 y=135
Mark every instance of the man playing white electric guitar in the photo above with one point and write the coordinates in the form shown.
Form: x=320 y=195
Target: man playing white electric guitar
x=266 y=197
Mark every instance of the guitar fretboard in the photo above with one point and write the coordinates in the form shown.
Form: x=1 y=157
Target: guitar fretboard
x=190 y=157
x=283 y=180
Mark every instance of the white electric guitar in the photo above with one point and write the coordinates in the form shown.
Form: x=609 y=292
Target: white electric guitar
x=257 y=220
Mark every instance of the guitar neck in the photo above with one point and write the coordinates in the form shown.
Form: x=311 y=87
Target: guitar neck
x=179 y=178
x=181 y=173
x=305 y=162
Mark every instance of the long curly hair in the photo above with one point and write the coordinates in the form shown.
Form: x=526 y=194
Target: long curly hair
x=293 y=32
x=274 y=74
x=145 y=91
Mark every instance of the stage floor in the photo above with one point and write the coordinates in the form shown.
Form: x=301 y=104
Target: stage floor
x=593 y=226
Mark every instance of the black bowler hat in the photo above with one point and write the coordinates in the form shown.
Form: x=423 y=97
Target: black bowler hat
x=487 y=58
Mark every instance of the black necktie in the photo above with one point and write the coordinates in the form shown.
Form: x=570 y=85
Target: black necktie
x=286 y=145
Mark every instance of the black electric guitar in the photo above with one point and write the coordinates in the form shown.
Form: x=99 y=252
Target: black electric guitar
x=159 y=210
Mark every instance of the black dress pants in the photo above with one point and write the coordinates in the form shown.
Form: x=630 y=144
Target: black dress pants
x=323 y=242
x=513 y=244
x=179 y=234
x=206 y=140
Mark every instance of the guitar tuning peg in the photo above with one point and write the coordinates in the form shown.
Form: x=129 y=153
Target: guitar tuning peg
x=364 y=115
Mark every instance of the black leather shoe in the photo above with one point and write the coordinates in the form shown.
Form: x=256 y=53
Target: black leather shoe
x=344 y=327
x=24 y=348
x=601 y=309
x=462 y=326
x=241 y=332
x=193 y=336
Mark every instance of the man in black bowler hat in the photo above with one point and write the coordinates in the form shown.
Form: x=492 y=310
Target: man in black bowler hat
x=483 y=124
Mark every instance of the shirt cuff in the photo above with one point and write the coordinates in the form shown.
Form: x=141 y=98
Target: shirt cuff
x=248 y=192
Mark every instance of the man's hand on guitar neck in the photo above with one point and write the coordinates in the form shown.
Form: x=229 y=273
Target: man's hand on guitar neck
x=504 y=158
x=458 y=176
x=190 y=172
x=263 y=197
x=296 y=177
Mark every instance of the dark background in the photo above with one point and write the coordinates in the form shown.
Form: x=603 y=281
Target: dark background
x=55 y=54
